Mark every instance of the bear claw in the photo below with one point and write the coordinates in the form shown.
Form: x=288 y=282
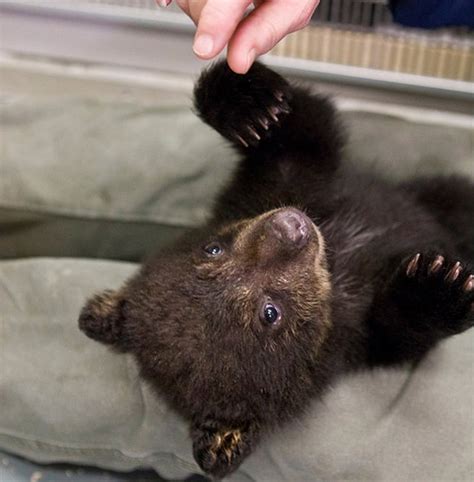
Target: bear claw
x=264 y=123
x=254 y=133
x=469 y=284
x=454 y=272
x=279 y=95
x=241 y=140
x=273 y=113
x=413 y=265
x=436 y=265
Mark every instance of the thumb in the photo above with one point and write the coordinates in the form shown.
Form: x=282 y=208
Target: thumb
x=217 y=22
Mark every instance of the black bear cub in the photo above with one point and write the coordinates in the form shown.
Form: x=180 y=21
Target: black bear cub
x=306 y=270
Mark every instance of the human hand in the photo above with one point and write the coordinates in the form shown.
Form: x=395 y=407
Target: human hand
x=222 y=22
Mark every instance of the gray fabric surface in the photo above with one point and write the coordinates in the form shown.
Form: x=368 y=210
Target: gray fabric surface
x=27 y=232
x=18 y=469
x=76 y=172
x=112 y=179
x=402 y=149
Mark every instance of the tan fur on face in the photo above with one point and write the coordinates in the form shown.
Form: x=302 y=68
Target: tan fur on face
x=247 y=227
x=310 y=297
x=243 y=277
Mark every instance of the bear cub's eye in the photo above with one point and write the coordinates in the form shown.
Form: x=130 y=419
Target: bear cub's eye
x=270 y=313
x=213 y=249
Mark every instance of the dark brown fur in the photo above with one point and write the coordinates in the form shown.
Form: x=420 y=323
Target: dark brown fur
x=368 y=276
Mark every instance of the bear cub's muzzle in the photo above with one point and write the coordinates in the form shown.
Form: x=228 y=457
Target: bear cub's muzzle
x=291 y=227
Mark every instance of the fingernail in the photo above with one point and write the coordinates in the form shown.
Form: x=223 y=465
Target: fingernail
x=251 y=58
x=164 y=3
x=203 y=45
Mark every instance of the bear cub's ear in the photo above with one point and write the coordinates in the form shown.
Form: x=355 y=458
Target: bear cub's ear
x=102 y=318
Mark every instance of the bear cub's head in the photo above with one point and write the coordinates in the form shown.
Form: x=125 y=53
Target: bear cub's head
x=228 y=322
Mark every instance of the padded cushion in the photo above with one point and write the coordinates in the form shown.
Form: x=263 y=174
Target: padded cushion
x=85 y=177
x=80 y=177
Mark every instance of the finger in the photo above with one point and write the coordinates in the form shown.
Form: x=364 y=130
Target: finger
x=183 y=5
x=163 y=3
x=264 y=28
x=217 y=22
x=195 y=8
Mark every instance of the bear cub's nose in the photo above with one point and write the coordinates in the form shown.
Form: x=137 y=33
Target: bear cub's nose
x=291 y=226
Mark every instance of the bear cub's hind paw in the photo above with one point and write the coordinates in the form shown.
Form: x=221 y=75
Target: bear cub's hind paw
x=441 y=289
x=243 y=108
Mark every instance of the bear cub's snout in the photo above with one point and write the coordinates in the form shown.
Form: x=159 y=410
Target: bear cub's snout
x=291 y=226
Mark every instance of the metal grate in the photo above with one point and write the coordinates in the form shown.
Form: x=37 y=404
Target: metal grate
x=389 y=49
x=360 y=33
x=362 y=13
x=145 y=5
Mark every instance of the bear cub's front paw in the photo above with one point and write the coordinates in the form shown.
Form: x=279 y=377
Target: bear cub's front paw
x=440 y=289
x=243 y=108
x=220 y=450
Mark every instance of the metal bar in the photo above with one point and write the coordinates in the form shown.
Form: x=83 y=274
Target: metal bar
x=370 y=77
x=144 y=17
